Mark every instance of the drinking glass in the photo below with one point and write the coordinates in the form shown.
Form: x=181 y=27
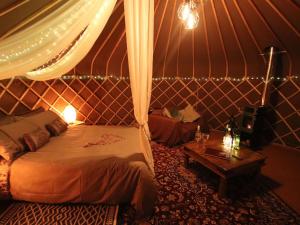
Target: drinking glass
x=205 y=138
x=198 y=137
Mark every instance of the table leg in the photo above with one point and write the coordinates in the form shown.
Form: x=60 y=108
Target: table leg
x=186 y=160
x=223 y=187
x=256 y=174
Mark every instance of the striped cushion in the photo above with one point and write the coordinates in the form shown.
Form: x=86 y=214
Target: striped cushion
x=57 y=127
x=36 y=139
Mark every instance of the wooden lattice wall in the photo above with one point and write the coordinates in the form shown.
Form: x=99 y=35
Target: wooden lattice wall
x=109 y=101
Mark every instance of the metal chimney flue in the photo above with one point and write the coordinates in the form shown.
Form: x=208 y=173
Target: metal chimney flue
x=273 y=57
x=255 y=120
x=267 y=78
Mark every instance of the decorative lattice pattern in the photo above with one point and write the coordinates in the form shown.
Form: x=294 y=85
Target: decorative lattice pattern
x=109 y=101
x=97 y=101
x=33 y=213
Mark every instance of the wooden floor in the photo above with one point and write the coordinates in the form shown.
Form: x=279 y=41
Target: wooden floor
x=282 y=170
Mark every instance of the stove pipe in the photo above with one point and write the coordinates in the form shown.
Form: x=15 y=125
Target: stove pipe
x=267 y=78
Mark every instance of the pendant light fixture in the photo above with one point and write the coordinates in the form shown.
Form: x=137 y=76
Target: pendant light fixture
x=187 y=12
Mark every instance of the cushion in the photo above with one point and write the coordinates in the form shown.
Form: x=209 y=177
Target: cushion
x=57 y=127
x=176 y=114
x=8 y=148
x=36 y=139
x=7 y=119
x=166 y=112
x=156 y=112
x=189 y=114
x=17 y=130
x=41 y=119
x=31 y=113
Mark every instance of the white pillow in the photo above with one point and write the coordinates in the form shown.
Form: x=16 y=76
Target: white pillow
x=41 y=119
x=17 y=130
x=189 y=114
x=166 y=113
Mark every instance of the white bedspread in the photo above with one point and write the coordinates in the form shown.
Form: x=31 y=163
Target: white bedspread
x=98 y=164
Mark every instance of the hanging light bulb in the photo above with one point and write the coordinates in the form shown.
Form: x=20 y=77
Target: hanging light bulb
x=188 y=14
x=184 y=10
x=192 y=20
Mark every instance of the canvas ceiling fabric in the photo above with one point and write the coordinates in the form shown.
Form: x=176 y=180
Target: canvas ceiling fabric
x=32 y=48
x=139 y=21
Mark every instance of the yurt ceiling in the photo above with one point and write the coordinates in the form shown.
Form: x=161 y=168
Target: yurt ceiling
x=229 y=40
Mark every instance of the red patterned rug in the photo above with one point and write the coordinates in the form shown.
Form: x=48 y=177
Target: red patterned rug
x=189 y=196
x=24 y=213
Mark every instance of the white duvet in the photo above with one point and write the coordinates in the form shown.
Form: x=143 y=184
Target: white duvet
x=97 y=164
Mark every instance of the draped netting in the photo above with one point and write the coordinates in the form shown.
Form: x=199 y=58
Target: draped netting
x=139 y=20
x=74 y=26
x=55 y=44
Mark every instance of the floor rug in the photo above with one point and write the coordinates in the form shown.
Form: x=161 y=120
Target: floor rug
x=189 y=197
x=23 y=213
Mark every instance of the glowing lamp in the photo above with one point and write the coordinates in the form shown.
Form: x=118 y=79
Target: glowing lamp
x=227 y=142
x=191 y=21
x=187 y=12
x=184 y=10
x=69 y=114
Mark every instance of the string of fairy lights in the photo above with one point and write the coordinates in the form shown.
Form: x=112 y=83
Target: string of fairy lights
x=234 y=79
x=46 y=36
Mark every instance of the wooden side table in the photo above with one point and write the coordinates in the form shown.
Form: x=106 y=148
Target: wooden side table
x=245 y=162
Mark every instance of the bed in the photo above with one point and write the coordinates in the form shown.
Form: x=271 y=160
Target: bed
x=90 y=164
x=171 y=131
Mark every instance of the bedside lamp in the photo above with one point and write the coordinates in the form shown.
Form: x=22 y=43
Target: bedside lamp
x=69 y=114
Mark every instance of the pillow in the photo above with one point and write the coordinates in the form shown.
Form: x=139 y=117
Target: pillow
x=41 y=119
x=176 y=114
x=31 y=113
x=57 y=127
x=166 y=112
x=7 y=119
x=36 y=139
x=17 y=130
x=8 y=148
x=189 y=114
x=156 y=112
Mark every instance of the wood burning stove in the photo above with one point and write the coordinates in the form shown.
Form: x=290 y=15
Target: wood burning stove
x=255 y=124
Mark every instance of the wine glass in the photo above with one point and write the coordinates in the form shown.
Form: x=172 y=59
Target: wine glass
x=205 y=138
x=198 y=137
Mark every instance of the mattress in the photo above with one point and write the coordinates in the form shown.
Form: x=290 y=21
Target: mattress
x=95 y=164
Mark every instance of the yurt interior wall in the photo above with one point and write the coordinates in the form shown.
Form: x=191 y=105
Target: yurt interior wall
x=219 y=67
x=242 y=53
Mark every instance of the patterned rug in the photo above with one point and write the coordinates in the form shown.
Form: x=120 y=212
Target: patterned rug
x=189 y=196
x=22 y=213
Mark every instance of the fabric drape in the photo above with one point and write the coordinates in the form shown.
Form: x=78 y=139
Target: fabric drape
x=35 y=46
x=139 y=20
